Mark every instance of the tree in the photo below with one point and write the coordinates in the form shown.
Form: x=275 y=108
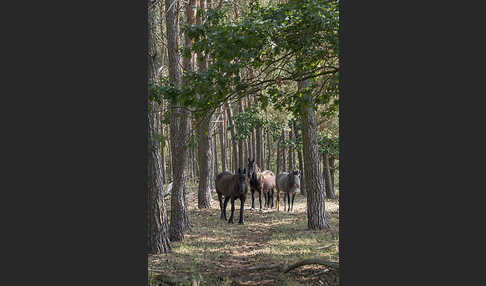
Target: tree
x=316 y=209
x=327 y=177
x=157 y=222
x=204 y=144
x=234 y=161
x=222 y=140
x=179 y=126
x=241 y=162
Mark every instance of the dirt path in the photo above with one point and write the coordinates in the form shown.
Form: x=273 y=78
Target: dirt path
x=219 y=253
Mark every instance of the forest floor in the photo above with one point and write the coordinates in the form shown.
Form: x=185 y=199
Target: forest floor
x=217 y=253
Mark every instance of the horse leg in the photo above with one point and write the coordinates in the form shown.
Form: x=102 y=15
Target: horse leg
x=232 y=210
x=226 y=199
x=293 y=197
x=278 y=199
x=242 y=207
x=260 y=198
x=271 y=200
x=220 y=204
x=285 y=201
x=265 y=196
x=252 y=199
x=288 y=197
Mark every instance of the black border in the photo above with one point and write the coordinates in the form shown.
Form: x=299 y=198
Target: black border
x=78 y=138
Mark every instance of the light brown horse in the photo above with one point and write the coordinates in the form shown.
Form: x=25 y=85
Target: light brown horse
x=289 y=183
x=268 y=186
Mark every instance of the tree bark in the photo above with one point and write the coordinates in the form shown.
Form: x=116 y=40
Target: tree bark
x=332 y=166
x=301 y=165
x=290 y=166
x=179 y=130
x=278 y=155
x=253 y=145
x=234 y=162
x=215 y=153
x=241 y=162
x=259 y=144
x=316 y=217
x=327 y=176
x=284 y=152
x=204 y=144
x=269 y=148
x=169 y=155
x=222 y=141
x=162 y=145
x=157 y=221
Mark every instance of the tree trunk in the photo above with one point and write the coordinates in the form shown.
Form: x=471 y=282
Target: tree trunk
x=284 y=152
x=169 y=155
x=157 y=221
x=211 y=164
x=301 y=163
x=241 y=163
x=278 y=155
x=222 y=141
x=327 y=177
x=316 y=217
x=234 y=162
x=162 y=145
x=253 y=145
x=202 y=129
x=259 y=144
x=290 y=166
x=269 y=148
x=179 y=128
x=332 y=166
x=215 y=153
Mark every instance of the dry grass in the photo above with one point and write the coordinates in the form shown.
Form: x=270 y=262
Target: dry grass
x=217 y=253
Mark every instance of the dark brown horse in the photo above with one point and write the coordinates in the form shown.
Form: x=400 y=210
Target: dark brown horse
x=255 y=179
x=231 y=186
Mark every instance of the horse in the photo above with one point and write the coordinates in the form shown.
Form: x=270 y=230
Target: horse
x=231 y=186
x=268 y=187
x=289 y=183
x=261 y=182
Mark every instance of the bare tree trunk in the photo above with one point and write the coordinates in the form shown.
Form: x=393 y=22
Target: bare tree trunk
x=162 y=145
x=222 y=141
x=292 y=150
x=211 y=164
x=327 y=177
x=215 y=152
x=233 y=135
x=332 y=166
x=204 y=144
x=290 y=166
x=253 y=145
x=169 y=155
x=316 y=216
x=269 y=148
x=284 y=152
x=179 y=130
x=301 y=164
x=241 y=163
x=157 y=221
x=259 y=144
x=279 y=155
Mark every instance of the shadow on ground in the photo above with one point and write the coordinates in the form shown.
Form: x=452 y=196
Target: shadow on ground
x=217 y=253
